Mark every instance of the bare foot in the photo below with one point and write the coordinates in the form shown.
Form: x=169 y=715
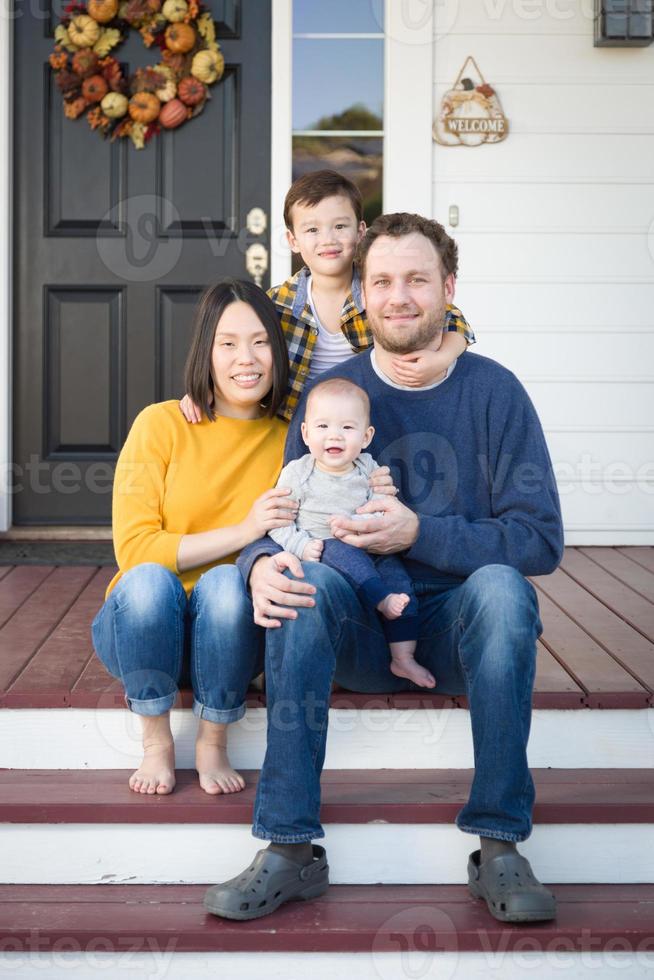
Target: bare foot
x=411 y=669
x=156 y=774
x=393 y=605
x=212 y=763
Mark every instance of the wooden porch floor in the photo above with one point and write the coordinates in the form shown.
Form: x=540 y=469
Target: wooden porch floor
x=597 y=648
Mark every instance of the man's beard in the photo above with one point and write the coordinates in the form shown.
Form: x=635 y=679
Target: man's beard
x=407 y=340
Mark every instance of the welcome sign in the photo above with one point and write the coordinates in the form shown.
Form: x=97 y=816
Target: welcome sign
x=470 y=112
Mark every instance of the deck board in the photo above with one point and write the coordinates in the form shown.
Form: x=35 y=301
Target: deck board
x=597 y=648
x=361 y=796
x=357 y=918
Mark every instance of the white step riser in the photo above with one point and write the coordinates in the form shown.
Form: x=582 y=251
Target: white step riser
x=556 y=959
x=358 y=739
x=358 y=853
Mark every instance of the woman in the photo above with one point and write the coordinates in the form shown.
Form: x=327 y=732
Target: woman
x=186 y=500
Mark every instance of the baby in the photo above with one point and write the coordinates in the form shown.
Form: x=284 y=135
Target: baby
x=331 y=480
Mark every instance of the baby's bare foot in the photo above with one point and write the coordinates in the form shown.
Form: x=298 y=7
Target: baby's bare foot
x=156 y=774
x=411 y=669
x=393 y=605
x=216 y=774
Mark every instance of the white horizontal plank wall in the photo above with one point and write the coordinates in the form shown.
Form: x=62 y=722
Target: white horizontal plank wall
x=556 y=239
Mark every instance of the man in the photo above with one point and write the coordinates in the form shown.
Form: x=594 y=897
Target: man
x=477 y=511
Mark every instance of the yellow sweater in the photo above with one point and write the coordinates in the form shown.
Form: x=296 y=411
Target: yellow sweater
x=173 y=479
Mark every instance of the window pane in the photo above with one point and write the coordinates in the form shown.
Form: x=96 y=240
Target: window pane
x=357 y=157
x=331 y=76
x=338 y=17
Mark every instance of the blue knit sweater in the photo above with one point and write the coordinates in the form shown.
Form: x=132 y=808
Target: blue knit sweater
x=469 y=457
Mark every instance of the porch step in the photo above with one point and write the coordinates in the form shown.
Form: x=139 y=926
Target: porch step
x=377 y=736
x=380 y=931
x=381 y=826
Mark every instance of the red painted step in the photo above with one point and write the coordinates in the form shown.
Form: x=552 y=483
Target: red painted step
x=349 y=796
x=348 y=918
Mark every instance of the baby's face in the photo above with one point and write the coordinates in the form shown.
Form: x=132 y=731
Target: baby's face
x=336 y=430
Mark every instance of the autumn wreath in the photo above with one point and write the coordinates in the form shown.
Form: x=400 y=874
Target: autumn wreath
x=139 y=105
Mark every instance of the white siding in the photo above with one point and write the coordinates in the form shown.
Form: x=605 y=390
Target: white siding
x=556 y=240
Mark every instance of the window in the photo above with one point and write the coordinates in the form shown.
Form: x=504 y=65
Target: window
x=338 y=93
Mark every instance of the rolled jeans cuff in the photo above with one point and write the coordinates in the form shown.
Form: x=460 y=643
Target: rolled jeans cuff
x=510 y=837
x=220 y=716
x=262 y=834
x=153 y=706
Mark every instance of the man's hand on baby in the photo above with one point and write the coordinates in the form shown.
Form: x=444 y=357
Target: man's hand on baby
x=422 y=367
x=274 y=594
x=272 y=509
x=381 y=481
x=313 y=550
x=395 y=530
x=190 y=410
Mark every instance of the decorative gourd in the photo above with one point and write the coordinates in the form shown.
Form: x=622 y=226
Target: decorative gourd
x=144 y=107
x=175 y=10
x=114 y=105
x=85 y=62
x=168 y=90
x=83 y=31
x=94 y=88
x=191 y=91
x=102 y=10
x=180 y=38
x=173 y=114
x=208 y=66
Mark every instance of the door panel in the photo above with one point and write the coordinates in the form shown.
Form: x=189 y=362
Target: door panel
x=113 y=247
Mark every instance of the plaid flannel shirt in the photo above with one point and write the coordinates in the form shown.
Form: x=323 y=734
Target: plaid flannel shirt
x=301 y=330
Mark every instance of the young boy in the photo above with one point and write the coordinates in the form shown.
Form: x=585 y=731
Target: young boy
x=321 y=307
x=332 y=479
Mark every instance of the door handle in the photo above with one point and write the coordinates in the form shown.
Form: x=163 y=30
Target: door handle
x=256 y=221
x=256 y=261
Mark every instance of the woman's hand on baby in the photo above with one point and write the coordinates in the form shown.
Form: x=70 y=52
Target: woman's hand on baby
x=272 y=509
x=381 y=481
x=313 y=550
x=190 y=410
x=274 y=594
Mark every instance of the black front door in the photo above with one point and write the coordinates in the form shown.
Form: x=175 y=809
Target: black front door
x=112 y=248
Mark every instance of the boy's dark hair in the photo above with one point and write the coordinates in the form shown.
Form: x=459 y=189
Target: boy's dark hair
x=211 y=306
x=339 y=386
x=401 y=224
x=312 y=188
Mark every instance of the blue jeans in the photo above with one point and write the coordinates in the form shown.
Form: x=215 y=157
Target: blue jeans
x=478 y=638
x=373 y=577
x=147 y=626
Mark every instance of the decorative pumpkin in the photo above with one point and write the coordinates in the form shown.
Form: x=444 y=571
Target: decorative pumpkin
x=85 y=62
x=144 y=107
x=168 y=90
x=102 y=10
x=94 y=88
x=180 y=38
x=472 y=107
x=114 y=105
x=175 y=10
x=208 y=66
x=191 y=91
x=173 y=114
x=83 y=31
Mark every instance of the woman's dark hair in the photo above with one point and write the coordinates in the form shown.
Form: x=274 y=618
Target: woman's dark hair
x=211 y=306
